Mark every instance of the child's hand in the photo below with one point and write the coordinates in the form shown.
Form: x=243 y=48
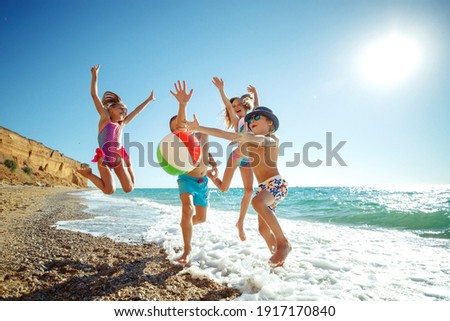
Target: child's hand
x=218 y=82
x=94 y=70
x=193 y=126
x=181 y=95
x=152 y=97
x=244 y=136
x=251 y=89
x=212 y=173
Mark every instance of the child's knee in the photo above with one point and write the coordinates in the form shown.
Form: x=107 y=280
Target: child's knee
x=200 y=219
x=109 y=190
x=128 y=189
x=257 y=203
x=248 y=192
x=187 y=209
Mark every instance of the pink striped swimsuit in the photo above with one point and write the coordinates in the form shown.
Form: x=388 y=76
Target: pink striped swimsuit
x=109 y=141
x=242 y=160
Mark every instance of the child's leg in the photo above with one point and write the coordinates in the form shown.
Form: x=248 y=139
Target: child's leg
x=224 y=184
x=124 y=177
x=105 y=182
x=129 y=167
x=260 y=203
x=200 y=215
x=247 y=179
x=267 y=234
x=186 y=224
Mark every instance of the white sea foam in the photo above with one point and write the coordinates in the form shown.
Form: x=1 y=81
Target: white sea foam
x=327 y=262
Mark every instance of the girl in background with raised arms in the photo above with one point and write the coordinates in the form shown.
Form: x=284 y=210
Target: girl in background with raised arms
x=111 y=156
x=235 y=110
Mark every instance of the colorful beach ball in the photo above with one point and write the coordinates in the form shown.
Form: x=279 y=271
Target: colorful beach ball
x=178 y=153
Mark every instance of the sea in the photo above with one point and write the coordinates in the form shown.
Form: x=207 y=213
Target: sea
x=349 y=243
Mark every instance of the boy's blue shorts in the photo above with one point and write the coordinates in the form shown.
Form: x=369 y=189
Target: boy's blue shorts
x=197 y=187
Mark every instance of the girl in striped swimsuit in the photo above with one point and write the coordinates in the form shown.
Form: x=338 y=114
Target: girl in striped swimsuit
x=111 y=156
x=235 y=110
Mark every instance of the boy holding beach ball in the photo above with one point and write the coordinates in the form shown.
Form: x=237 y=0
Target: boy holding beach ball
x=192 y=186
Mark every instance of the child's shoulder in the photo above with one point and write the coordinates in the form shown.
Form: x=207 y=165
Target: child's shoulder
x=103 y=121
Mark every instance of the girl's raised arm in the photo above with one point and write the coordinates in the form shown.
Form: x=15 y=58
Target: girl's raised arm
x=139 y=108
x=218 y=82
x=94 y=92
x=252 y=90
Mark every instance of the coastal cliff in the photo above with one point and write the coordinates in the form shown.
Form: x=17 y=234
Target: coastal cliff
x=35 y=163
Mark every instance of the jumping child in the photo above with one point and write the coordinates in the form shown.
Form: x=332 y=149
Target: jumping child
x=236 y=109
x=261 y=146
x=192 y=186
x=111 y=155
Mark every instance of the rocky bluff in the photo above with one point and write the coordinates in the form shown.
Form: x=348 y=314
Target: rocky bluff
x=36 y=163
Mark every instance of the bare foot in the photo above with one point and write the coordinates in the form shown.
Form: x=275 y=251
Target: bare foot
x=184 y=259
x=241 y=231
x=280 y=254
x=84 y=170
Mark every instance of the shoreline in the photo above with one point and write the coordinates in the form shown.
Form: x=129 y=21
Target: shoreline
x=41 y=263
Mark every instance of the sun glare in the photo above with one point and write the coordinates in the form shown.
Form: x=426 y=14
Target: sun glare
x=389 y=61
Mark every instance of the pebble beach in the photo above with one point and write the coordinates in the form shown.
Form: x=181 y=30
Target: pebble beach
x=41 y=263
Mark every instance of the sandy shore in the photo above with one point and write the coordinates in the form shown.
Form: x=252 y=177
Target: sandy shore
x=39 y=262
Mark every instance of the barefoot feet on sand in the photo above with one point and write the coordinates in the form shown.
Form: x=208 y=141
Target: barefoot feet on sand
x=184 y=259
x=280 y=254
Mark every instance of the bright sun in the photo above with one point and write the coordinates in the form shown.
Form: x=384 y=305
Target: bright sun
x=389 y=61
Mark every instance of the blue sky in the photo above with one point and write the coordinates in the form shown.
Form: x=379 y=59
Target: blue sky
x=304 y=57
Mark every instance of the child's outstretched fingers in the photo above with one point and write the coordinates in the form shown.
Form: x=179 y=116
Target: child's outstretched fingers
x=180 y=92
x=218 y=82
x=177 y=86
x=193 y=125
x=176 y=89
